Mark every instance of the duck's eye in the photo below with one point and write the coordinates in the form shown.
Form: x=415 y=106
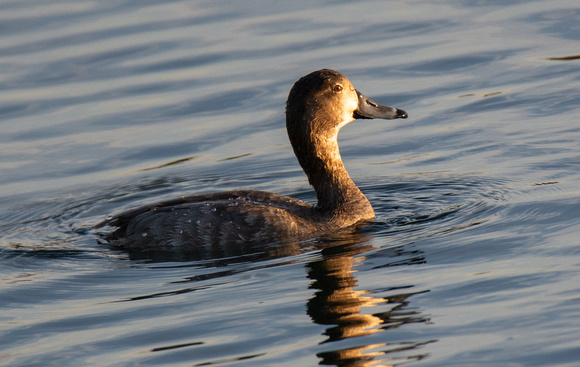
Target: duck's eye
x=337 y=88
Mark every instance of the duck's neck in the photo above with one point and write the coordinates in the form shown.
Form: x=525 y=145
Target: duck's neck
x=338 y=196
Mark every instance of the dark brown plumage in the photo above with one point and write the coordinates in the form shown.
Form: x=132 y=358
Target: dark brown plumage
x=318 y=106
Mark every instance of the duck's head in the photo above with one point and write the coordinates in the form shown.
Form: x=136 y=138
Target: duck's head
x=322 y=102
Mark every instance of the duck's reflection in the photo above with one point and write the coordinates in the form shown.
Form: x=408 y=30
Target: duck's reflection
x=339 y=305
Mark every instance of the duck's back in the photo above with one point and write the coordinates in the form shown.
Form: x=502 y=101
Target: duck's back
x=232 y=217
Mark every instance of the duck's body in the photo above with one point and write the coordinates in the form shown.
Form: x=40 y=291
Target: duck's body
x=318 y=105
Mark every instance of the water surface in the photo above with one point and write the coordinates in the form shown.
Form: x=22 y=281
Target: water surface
x=473 y=259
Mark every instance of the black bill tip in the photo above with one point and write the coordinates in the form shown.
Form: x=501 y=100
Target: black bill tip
x=400 y=114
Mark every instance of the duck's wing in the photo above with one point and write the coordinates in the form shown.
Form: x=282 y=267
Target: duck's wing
x=234 y=197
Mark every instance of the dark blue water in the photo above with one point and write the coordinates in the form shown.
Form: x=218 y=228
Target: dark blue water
x=474 y=257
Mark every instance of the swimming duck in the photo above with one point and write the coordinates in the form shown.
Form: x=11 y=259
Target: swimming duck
x=318 y=106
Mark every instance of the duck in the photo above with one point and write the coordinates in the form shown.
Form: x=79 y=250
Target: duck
x=318 y=106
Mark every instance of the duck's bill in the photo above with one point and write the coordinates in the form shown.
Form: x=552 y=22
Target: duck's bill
x=367 y=109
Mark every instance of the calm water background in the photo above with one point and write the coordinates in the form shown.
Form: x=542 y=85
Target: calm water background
x=474 y=259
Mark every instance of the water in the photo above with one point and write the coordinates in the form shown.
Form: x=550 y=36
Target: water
x=474 y=256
